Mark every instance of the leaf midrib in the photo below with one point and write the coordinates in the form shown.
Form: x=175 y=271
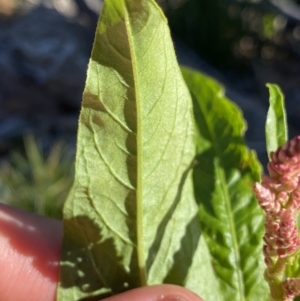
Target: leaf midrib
x=139 y=185
x=227 y=205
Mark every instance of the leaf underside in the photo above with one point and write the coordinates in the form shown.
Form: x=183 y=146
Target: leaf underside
x=276 y=124
x=231 y=219
x=131 y=218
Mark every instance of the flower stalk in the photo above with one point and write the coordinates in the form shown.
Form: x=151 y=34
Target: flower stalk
x=279 y=196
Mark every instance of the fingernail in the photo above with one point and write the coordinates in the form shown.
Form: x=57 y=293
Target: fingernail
x=174 y=298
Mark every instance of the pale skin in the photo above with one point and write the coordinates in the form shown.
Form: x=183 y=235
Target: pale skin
x=30 y=248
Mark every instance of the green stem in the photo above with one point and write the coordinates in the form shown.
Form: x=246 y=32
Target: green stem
x=274 y=276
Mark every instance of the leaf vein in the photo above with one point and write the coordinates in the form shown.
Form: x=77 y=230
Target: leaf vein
x=112 y=172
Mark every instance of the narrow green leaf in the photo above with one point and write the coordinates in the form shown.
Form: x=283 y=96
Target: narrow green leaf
x=131 y=217
x=276 y=124
x=232 y=222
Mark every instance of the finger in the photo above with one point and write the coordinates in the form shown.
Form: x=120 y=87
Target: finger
x=166 y=292
x=29 y=258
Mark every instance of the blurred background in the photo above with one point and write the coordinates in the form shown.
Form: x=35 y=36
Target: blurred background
x=44 y=50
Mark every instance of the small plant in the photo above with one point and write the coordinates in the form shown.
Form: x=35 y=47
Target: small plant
x=37 y=183
x=279 y=196
x=163 y=188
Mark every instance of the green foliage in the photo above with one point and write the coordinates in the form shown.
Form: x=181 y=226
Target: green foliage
x=276 y=124
x=268 y=25
x=193 y=23
x=245 y=29
x=230 y=217
x=131 y=218
x=35 y=183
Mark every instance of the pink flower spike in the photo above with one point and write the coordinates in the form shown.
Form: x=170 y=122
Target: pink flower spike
x=279 y=196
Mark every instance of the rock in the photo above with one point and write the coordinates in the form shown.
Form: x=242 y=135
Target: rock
x=43 y=65
x=44 y=48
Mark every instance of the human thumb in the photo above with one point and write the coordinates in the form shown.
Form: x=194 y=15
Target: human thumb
x=165 y=292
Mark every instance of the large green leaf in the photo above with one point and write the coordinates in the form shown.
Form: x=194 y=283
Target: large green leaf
x=276 y=124
x=131 y=217
x=231 y=219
